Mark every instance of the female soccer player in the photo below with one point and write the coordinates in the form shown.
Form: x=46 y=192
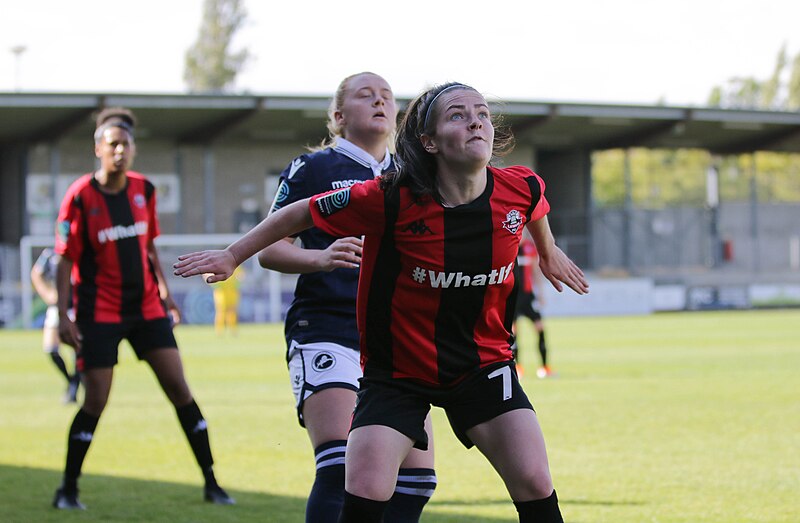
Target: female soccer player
x=105 y=232
x=321 y=331
x=435 y=302
x=43 y=277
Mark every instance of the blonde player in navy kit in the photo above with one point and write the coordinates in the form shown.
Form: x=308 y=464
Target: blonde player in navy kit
x=321 y=330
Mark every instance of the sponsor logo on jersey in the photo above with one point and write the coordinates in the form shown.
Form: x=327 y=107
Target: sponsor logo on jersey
x=120 y=232
x=445 y=280
x=297 y=163
x=281 y=195
x=417 y=227
x=139 y=201
x=324 y=361
x=333 y=202
x=513 y=221
x=344 y=184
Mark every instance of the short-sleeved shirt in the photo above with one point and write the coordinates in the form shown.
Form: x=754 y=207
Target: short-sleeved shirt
x=435 y=300
x=106 y=236
x=47 y=264
x=324 y=303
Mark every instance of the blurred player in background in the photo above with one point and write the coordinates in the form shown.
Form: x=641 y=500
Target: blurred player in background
x=528 y=278
x=226 y=303
x=105 y=232
x=43 y=277
x=321 y=330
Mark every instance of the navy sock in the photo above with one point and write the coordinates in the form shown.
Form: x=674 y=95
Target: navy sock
x=79 y=438
x=59 y=363
x=327 y=495
x=414 y=488
x=196 y=430
x=543 y=348
x=540 y=510
x=361 y=510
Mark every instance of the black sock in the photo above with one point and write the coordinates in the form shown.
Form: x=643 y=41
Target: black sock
x=540 y=510
x=414 y=488
x=361 y=510
x=196 y=430
x=543 y=349
x=327 y=495
x=59 y=362
x=79 y=438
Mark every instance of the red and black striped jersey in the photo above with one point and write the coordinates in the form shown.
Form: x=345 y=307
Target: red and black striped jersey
x=435 y=299
x=107 y=236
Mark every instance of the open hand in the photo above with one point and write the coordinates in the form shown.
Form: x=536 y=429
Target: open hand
x=214 y=265
x=558 y=268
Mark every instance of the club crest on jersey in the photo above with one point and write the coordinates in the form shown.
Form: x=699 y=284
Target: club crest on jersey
x=513 y=221
x=138 y=200
x=333 y=202
x=324 y=361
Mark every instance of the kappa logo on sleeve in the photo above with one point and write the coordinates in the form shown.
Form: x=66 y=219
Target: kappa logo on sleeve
x=333 y=202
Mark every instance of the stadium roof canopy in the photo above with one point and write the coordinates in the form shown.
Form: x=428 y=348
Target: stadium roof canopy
x=200 y=119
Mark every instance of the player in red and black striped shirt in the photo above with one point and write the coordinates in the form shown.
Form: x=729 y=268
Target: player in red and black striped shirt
x=105 y=232
x=436 y=300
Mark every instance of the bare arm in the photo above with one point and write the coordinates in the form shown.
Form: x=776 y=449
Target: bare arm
x=67 y=330
x=45 y=289
x=163 y=289
x=554 y=264
x=218 y=265
x=285 y=256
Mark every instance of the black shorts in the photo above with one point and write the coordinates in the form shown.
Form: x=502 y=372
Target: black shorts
x=525 y=302
x=101 y=340
x=403 y=405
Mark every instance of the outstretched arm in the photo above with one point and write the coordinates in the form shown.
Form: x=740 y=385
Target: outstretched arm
x=554 y=264
x=289 y=258
x=218 y=265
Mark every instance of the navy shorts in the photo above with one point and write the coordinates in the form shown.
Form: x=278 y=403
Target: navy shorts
x=403 y=405
x=101 y=340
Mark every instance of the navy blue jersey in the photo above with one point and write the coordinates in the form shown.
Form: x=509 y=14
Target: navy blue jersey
x=47 y=263
x=324 y=304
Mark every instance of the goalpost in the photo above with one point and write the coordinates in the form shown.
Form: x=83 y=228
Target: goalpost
x=265 y=294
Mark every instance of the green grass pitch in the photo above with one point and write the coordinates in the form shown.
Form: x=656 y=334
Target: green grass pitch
x=685 y=417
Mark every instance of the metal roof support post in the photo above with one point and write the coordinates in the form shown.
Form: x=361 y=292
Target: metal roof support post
x=209 y=177
x=627 y=244
x=712 y=202
x=180 y=225
x=754 y=214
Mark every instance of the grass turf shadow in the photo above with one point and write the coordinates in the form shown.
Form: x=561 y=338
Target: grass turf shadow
x=27 y=493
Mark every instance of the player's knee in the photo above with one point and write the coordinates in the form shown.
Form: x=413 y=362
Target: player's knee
x=177 y=391
x=368 y=485
x=531 y=484
x=94 y=404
